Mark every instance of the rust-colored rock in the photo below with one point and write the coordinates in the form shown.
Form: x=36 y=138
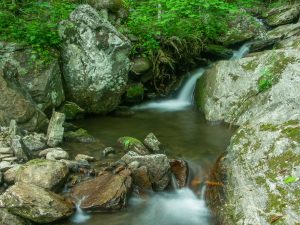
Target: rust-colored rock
x=141 y=178
x=108 y=192
x=180 y=170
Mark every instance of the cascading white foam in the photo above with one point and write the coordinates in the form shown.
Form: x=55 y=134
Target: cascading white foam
x=185 y=96
x=80 y=216
x=181 y=207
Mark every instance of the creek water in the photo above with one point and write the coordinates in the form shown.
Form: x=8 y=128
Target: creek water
x=186 y=135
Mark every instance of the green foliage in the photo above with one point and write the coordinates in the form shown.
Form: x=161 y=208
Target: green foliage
x=33 y=23
x=266 y=80
x=290 y=180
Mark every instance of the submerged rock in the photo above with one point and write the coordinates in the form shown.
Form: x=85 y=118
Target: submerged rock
x=107 y=192
x=35 y=203
x=132 y=144
x=43 y=173
x=95 y=60
x=157 y=165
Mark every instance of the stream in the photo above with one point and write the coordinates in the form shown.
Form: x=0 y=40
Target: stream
x=186 y=135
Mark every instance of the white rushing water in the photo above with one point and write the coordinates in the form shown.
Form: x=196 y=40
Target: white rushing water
x=80 y=216
x=181 y=207
x=185 y=97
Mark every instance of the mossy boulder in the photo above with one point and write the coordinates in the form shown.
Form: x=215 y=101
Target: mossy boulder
x=132 y=144
x=71 y=110
x=35 y=203
x=240 y=90
x=80 y=135
x=7 y=218
x=217 y=52
x=134 y=94
x=262 y=176
x=140 y=65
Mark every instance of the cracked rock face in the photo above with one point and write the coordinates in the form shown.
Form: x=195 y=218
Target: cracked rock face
x=95 y=60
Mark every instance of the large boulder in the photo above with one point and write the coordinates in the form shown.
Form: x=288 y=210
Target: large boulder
x=106 y=192
x=42 y=80
x=6 y=218
x=260 y=85
x=95 y=60
x=157 y=166
x=261 y=176
x=16 y=104
x=43 y=173
x=35 y=203
x=285 y=14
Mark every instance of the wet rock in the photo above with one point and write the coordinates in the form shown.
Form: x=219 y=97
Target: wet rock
x=132 y=144
x=56 y=154
x=71 y=110
x=282 y=15
x=44 y=173
x=262 y=84
x=180 y=170
x=24 y=110
x=152 y=143
x=123 y=111
x=55 y=130
x=34 y=142
x=140 y=65
x=81 y=157
x=10 y=174
x=105 y=193
x=80 y=135
x=1 y=178
x=217 y=52
x=140 y=177
x=7 y=218
x=35 y=203
x=157 y=165
x=259 y=162
x=75 y=166
x=95 y=60
x=41 y=80
x=107 y=151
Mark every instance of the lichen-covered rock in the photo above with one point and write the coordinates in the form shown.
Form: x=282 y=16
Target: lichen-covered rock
x=106 y=192
x=43 y=173
x=56 y=154
x=262 y=175
x=23 y=110
x=152 y=143
x=263 y=84
x=95 y=60
x=132 y=144
x=7 y=218
x=157 y=165
x=55 y=132
x=10 y=175
x=34 y=142
x=35 y=203
x=88 y=158
x=41 y=80
x=282 y=15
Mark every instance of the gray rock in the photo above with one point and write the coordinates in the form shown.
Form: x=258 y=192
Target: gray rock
x=95 y=60
x=57 y=155
x=107 y=151
x=157 y=166
x=81 y=157
x=6 y=150
x=18 y=149
x=35 y=203
x=10 y=175
x=259 y=161
x=282 y=15
x=24 y=110
x=41 y=80
x=4 y=166
x=55 y=130
x=43 y=173
x=44 y=152
x=152 y=143
x=132 y=144
x=34 y=142
x=1 y=178
x=79 y=135
x=74 y=166
x=263 y=83
x=7 y=218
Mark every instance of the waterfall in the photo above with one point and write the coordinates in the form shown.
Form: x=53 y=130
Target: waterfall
x=80 y=216
x=185 y=97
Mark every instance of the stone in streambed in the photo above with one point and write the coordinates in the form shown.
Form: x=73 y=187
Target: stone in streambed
x=71 y=110
x=43 y=173
x=152 y=143
x=106 y=192
x=180 y=170
x=35 y=203
x=132 y=144
x=10 y=175
x=87 y=158
x=80 y=135
x=7 y=218
x=55 y=130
